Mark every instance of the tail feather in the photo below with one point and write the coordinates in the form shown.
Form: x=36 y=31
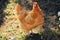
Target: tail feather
x=20 y=12
x=18 y=7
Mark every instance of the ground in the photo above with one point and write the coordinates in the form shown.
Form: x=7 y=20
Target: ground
x=10 y=26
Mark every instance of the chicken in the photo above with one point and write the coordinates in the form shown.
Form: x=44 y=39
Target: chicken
x=30 y=21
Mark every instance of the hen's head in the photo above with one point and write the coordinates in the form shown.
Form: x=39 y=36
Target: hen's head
x=34 y=4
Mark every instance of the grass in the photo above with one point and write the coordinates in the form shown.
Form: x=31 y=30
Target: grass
x=10 y=24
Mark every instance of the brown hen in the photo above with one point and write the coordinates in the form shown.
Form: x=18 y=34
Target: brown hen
x=32 y=20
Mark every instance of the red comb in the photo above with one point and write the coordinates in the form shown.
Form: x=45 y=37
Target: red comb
x=34 y=2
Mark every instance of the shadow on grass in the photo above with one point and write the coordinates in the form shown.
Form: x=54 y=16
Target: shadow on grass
x=33 y=36
x=3 y=4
